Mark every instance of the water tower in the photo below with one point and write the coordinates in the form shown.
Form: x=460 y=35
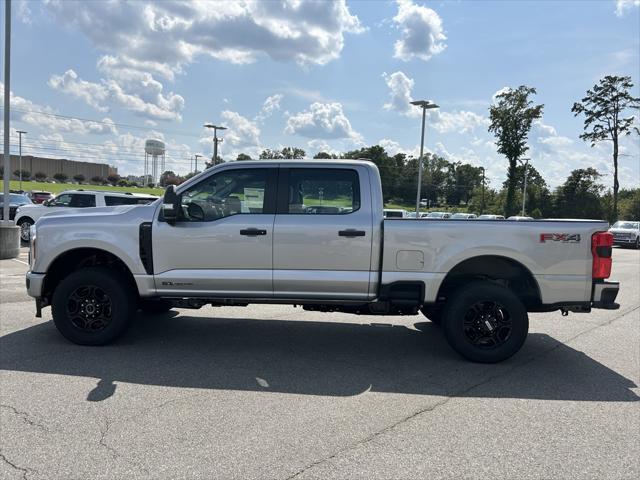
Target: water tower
x=154 y=151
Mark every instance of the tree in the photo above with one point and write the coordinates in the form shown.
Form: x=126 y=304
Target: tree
x=26 y=174
x=603 y=107
x=579 y=195
x=511 y=118
x=60 y=177
x=630 y=204
x=538 y=194
x=169 y=178
x=40 y=176
x=123 y=183
x=293 y=153
x=79 y=178
x=242 y=156
x=287 y=152
x=113 y=179
x=97 y=179
x=325 y=155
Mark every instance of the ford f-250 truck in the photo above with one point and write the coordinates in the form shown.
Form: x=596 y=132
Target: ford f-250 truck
x=312 y=233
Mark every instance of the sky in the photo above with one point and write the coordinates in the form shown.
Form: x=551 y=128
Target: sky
x=93 y=80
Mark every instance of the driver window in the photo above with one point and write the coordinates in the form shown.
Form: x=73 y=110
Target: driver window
x=233 y=192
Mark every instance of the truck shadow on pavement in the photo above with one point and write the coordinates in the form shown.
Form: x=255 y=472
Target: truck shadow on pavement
x=310 y=358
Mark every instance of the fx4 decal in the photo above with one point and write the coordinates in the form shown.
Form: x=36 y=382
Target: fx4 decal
x=560 y=237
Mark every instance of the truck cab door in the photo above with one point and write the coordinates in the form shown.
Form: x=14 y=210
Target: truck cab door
x=221 y=243
x=323 y=233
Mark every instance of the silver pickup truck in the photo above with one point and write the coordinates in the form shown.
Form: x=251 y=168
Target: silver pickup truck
x=312 y=233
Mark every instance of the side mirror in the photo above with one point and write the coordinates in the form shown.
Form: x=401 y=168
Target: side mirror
x=170 y=204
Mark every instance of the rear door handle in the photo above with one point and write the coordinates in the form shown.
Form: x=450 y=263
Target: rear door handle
x=352 y=232
x=252 y=232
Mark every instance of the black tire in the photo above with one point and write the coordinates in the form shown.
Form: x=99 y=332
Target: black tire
x=637 y=245
x=434 y=314
x=25 y=224
x=484 y=322
x=93 y=306
x=155 y=305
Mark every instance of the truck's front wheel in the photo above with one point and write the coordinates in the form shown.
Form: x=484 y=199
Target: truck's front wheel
x=93 y=306
x=485 y=322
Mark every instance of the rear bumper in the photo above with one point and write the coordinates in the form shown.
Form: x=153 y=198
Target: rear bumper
x=604 y=295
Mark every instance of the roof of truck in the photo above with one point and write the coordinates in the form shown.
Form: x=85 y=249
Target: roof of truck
x=304 y=161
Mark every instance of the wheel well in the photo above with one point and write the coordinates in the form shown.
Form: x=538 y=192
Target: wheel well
x=78 y=258
x=497 y=269
x=26 y=217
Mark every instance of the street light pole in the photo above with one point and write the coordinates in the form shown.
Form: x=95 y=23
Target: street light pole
x=216 y=140
x=7 y=88
x=195 y=170
x=20 y=132
x=424 y=104
x=482 y=204
x=524 y=188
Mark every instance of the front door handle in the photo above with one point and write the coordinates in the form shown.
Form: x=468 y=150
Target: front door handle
x=351 y=232
x=252 y=232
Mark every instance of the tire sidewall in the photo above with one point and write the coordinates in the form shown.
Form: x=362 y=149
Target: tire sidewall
x=456 y=308
x=122 y=304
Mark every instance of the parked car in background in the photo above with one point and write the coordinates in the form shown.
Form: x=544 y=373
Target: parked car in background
x=488 y=216
x=29 y=214
x=394 y=213
x=626 y=233
x=463 y=216
x=39 y=196
x=519 y=218
x=16 y=200
x=437 y=215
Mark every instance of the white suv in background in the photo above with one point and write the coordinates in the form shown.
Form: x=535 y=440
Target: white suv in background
x=27 y=215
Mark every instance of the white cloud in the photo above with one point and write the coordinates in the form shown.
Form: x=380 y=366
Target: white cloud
x=42 y=116
x=242 y=131
x=270 y=105
x=400 y=87
x=130 y=89
x=422 y=34
x=392 y=148
x=458 y=121
x=623 y=5
x=174 y=33
x=93 y=94
x=322 y=120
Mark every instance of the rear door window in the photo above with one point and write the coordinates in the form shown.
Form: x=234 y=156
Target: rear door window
x=320 y=191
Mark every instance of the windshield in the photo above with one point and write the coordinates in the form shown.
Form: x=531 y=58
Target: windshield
x=627 y=225
x=459 y=215
x=16 y=198
x=435 y=215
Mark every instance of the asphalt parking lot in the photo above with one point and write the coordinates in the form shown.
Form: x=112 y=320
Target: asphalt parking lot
x=276 y=392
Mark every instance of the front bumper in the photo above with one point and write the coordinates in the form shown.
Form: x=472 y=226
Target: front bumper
x=624 y=241
x=604 y=295
x=35 y=281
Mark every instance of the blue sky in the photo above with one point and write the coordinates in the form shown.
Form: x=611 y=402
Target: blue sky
x=317 y=75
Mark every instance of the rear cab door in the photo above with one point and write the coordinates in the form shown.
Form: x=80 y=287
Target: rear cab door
x=323 y=232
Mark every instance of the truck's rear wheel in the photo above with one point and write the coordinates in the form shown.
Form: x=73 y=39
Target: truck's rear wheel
x=93 y=306
x=485 y=322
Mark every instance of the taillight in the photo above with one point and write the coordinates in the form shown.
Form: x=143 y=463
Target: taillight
x=601 y=246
